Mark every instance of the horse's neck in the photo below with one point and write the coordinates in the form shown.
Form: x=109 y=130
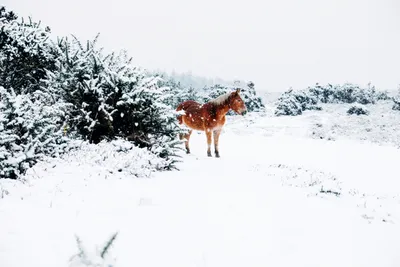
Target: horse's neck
x=222 y=109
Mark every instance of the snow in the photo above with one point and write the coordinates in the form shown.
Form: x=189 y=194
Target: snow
x=280 y=195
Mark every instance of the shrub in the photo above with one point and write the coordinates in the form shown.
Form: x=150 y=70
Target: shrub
x=346 y=93
x=29 y=129
x=252 y=100
x=396 y=101
x=295 y=102
x=25 y=53
x=396 y=105
x=112 y=98
x=357 y=110
x=48 y=89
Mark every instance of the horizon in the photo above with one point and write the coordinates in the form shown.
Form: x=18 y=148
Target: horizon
x=268 y=43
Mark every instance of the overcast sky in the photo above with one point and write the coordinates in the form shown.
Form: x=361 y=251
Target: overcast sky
x=277 y=44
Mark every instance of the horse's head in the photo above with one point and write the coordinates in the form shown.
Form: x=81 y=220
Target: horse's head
x=236 y=103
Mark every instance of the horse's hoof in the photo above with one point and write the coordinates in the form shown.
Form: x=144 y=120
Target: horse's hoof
x=209 y=154
x=187 y=151
x=217 y=154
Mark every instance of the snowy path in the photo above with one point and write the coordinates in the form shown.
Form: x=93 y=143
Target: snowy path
x=239 y=210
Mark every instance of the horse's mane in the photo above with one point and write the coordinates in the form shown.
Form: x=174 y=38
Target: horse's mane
x=222 y=99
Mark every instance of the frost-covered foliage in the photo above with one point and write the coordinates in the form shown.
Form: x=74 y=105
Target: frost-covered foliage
x=25 y=53
x=75 y=89
x=211 y=92
x=31 y=120
x=82 y=81
x=189 y=80
x=29 y=130
x=346 y=93
x=295 y=102
x=116 y=156
x=357 y=110
x=250 y=97
x=97 y=258
x=396 y=101
x=177 y=92
x=112 y=98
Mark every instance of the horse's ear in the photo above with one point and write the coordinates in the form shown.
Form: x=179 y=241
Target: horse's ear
x=237 y=90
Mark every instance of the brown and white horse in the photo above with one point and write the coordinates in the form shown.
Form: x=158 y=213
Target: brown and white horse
x=209 y=117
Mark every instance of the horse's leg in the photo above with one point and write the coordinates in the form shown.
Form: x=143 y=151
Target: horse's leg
x=209 y=136
x=216 y=134
x=187 y=137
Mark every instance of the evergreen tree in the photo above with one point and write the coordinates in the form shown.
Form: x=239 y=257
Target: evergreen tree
x=29 y=130
x=252 y=100
x=110 y=97
x=177 y=93
x=215 y=91
x=81 y=81
x=25 y=53
x=6 y=17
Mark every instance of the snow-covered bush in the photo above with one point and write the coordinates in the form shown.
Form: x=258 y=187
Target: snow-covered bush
x=25 y=53
x=177 y=92
x=357 y=110
x=31 y=120
x=293 y=103
x=383 y=95
x=346 y=93
x=396 y=104
x=116 y=156
x=29 y=129
x=396 y=101
x=112 y=98
x=214 y=91
x=100 y=97
x=252 y=100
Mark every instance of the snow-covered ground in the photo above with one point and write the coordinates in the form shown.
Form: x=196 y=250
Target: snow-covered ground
x=321 y=189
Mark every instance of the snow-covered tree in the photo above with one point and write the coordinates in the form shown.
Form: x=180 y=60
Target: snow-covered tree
x=293 y=103
x=81 y=81
x=7 y=16
x=112 y=98
x=214 y=91
x=30 y=128
x=25 y=53
x=252 y=100
x=177 y=93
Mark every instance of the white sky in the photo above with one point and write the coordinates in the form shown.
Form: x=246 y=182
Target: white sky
x=277 y=44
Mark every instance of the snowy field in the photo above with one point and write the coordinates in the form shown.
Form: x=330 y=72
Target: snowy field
x=321 y=189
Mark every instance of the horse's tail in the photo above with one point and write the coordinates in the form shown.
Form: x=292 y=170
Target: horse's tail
x=180 y=108
x=180 y=119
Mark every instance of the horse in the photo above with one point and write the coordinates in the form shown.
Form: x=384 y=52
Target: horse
x=209 y=117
